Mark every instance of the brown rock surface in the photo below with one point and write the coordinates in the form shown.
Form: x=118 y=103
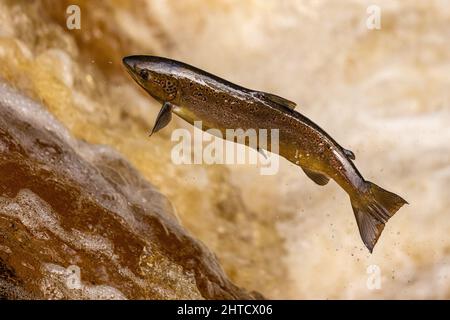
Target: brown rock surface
x=78 y=221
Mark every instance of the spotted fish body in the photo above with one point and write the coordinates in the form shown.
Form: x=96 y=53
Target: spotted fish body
x=196 y=95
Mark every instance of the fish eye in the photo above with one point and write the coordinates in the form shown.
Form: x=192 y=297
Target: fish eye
x=143 y=74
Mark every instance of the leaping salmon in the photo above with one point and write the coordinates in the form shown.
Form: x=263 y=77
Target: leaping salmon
x=194 y=95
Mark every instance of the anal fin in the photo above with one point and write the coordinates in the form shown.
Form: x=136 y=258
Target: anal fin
x=318 y=178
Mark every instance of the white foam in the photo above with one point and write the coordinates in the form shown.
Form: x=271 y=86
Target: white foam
x=58 y=284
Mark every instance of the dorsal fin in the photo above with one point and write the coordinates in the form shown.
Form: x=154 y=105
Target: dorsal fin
x=276 y=99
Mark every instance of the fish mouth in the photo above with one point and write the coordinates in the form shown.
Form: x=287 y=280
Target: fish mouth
x=129 y=63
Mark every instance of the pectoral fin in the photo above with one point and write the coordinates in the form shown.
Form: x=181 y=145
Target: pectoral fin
x=163 y=118
x=318 y=178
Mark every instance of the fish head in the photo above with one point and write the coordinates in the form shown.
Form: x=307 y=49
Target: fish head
x=156 y=75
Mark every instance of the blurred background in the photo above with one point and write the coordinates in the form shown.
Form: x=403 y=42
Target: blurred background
x=385 y=94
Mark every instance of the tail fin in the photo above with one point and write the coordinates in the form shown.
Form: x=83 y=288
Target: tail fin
x=373 y=210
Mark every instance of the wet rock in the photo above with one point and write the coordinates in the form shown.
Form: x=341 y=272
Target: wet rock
x=77 y=221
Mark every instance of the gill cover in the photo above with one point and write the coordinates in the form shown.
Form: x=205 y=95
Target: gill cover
x=169 y=85
x=162 y=87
